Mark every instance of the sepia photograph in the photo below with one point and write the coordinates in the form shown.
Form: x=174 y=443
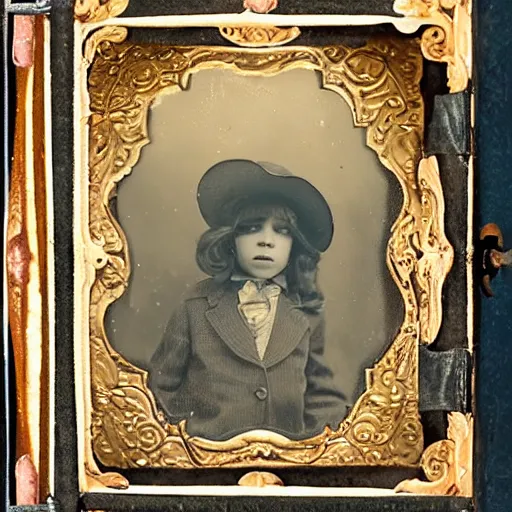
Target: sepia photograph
x=256 y=222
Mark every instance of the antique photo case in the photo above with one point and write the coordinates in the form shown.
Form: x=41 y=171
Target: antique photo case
x=242 y=260
x=262 y=252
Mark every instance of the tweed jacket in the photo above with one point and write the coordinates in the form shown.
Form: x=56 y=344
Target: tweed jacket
x=207 y=369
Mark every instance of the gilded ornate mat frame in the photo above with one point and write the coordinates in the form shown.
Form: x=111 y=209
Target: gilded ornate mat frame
x=120 y=420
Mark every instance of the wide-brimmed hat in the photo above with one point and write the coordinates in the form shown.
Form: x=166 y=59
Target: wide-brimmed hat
x=230 y=185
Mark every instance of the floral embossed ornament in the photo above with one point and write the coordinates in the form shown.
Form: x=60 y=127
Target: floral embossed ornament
x=260 y=6
x=254 y=37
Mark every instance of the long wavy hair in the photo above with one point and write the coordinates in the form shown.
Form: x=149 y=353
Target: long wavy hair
x=216 y=254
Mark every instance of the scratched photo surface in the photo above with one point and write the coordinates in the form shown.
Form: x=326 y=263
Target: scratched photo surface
x=289 y=120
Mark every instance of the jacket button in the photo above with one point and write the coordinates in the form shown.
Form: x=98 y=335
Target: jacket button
x=261 y=393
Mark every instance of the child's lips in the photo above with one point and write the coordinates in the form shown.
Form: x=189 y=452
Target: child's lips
x=263 y=257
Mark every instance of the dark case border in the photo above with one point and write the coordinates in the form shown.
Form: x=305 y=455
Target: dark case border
x=276 y=504
x=167 y=7
x=62 y=87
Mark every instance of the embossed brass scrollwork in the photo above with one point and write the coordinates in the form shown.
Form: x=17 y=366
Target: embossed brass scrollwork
x=448 y=39
x=92 y=11
x=448 y=464
x=254 y=37
x=381 y=83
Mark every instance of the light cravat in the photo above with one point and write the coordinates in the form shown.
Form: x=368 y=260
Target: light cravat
x=258 y=306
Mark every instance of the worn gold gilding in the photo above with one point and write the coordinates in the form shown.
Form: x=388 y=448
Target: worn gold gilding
x=448 y=464
x=93 y=11
x=448 y=39
x=255 y=36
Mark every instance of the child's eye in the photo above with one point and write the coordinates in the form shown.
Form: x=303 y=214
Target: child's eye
x=250 y=228
x=282 y=230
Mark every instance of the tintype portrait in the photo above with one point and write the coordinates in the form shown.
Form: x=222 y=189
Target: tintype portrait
x=267 y=231
x=245 y=342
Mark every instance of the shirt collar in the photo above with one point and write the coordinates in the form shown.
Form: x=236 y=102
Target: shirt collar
x=280 y=279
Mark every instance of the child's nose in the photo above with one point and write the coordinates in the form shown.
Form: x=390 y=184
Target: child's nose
x=267 y=237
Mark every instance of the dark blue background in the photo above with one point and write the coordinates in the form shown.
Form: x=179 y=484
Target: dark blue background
x=493 y=47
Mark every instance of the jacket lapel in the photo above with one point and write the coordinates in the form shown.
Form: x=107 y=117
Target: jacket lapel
x=290 y=325
x=229 y=325
x=289 y=328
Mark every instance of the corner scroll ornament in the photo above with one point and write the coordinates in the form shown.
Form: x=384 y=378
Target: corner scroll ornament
x=92 y=11
x=448 y=40
x=448 y=463
x=380 y=81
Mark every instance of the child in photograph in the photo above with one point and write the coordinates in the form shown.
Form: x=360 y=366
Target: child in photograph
x=245 y=349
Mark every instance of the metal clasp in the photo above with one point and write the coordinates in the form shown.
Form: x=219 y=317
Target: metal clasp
x=492 y=257
x=31 y=8
x=51 y=505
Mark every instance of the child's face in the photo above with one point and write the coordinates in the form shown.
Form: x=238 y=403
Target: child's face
x=263 y=250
